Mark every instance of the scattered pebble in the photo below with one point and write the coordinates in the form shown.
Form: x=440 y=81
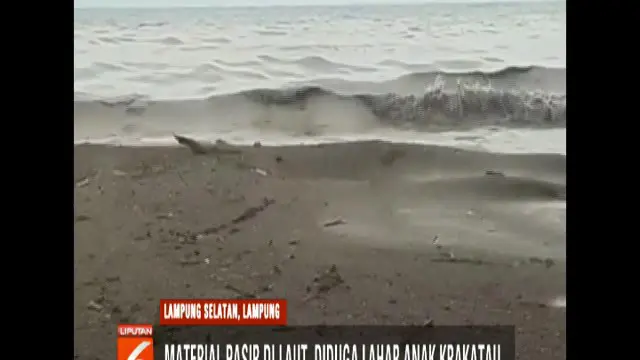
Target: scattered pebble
x=82 y=183
x=324 y=282
x=81 y=218
x=267 y=288
x=260 y=172
x=436 y=243
x=92 y=305
x=548 y=262
x=166 y=216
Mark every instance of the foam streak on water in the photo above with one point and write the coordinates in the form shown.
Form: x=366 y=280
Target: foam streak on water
x=489 y=76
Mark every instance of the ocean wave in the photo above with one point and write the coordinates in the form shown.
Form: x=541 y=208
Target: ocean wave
x=447 y=100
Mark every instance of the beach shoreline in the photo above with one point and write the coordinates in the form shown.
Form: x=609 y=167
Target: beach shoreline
x=416 y=233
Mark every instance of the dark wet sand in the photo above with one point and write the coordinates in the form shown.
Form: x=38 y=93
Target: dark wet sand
x=157 y=223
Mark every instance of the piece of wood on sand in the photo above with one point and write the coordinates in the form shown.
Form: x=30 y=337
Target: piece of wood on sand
x=200 y=148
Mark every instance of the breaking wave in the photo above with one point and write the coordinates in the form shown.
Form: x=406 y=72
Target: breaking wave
x=437 y=106
x=448 y=100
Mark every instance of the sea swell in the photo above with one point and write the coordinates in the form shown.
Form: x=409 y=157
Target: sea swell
x=505 y=98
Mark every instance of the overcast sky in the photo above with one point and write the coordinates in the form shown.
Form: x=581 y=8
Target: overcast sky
x=206 y=3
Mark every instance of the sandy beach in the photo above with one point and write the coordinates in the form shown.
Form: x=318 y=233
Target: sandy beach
x=398 y=234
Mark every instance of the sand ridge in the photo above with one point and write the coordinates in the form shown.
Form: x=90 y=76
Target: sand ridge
x=412 y=233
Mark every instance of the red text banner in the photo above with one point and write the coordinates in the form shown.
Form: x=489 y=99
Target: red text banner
x=223 y=312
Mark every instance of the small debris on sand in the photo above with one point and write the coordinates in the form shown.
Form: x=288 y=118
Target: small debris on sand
x=548 y=262
x=435 y=241
x=253 y=211
x=241 y=293
x=324 y=282
x=248 y=214
x=199 y=148
x=166 y=216
x=260 y=171
x=276 y=270
x=454 y=260
x=92 y=305
x=428 y=323
x=83 y=182
x=494 y=173
x=81 y=218
x=193 y=145
x=334 y=222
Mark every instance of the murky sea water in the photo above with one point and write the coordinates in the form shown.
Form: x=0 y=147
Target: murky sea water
x=485 y=76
